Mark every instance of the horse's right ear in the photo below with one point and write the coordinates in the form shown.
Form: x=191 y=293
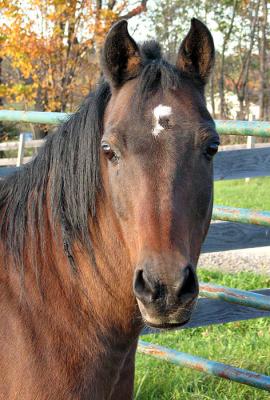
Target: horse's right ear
x=121 y=58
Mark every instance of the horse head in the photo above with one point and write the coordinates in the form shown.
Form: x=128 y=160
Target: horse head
x=156 y=161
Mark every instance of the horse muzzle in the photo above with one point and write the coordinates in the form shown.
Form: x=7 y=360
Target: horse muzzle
x=166 y=305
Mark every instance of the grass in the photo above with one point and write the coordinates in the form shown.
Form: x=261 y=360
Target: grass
x=243 y=344
x=254 y=194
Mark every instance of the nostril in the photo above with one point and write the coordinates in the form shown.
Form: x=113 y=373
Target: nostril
x=139 y=283
x=189 y=285
x=144 y=289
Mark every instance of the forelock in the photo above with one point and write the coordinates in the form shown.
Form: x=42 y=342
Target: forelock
x=157 y=74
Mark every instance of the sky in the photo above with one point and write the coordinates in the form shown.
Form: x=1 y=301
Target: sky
x=141 y=29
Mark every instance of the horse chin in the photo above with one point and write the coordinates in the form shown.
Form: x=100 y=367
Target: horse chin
x=156 y=319
x=166 y=325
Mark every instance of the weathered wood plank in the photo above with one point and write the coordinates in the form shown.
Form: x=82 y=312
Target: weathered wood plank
x=28 y=145
x=212 y=312
x=9 y=146
x=224 y=236
x=13 y=161
x=238 y=164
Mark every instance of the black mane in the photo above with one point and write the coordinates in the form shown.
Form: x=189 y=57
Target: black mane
x=67 y=168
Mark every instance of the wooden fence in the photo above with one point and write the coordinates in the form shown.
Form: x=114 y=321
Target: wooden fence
x=235 y=229
x=20 y=147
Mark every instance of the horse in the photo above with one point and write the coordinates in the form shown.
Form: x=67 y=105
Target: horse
x=100 y=234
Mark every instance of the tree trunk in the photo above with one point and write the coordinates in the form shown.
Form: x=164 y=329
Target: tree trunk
x=262 y=54
x=221 y=85
x=221 y=88
x=40 y=131
x=244 y=75
x=242 y=108
x=212 y=95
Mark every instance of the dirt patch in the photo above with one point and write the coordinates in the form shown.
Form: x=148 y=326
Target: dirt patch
x=251 y=260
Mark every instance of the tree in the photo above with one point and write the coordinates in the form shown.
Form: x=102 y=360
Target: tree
x=264 y=82
x=225 y=16
x=242 y=67
x=171 y=19
x=50 y=48
x=245 y=55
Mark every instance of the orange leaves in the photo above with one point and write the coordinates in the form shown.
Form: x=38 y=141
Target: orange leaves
x=19 y=93
x=50 y=49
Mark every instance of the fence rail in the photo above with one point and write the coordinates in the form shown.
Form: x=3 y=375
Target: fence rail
x=29 y=144
x=203 y=365
x=236 y=296
x=221 y=304
x=34 y=117
x=245 y=128
x=243 y=215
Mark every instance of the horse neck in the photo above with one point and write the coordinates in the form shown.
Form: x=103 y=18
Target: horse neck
x=87 y=319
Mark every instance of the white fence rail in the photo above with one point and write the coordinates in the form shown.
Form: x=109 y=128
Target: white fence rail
x=19 y=145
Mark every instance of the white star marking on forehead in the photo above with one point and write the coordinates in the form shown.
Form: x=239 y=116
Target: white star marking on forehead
x=160 y=112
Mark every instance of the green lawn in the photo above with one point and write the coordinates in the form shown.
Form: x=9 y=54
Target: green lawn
x=243 y=344
x=238 y=193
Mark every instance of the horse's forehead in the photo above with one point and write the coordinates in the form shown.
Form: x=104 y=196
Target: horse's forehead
x=161 y=110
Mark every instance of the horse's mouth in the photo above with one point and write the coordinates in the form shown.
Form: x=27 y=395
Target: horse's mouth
x=158 y=319
x=167 y=325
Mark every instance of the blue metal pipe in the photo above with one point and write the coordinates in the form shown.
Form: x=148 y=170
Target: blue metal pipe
x=243 y=215
x=245 y=128
x=242 y=297
x=35 y=117
x=203 y=365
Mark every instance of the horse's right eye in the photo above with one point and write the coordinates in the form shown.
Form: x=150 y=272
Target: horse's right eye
x=109 y=153
x=211 y=150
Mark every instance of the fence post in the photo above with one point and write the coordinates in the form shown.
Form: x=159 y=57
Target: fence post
x=20 y=150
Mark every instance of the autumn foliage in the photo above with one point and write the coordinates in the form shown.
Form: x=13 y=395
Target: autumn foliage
x=50 y=49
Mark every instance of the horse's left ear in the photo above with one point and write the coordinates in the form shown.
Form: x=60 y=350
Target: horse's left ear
x=197 y=52
x=121 y=58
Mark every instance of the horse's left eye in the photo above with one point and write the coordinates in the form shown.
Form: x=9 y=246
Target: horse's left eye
x=211 y=150
x=109 y=153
